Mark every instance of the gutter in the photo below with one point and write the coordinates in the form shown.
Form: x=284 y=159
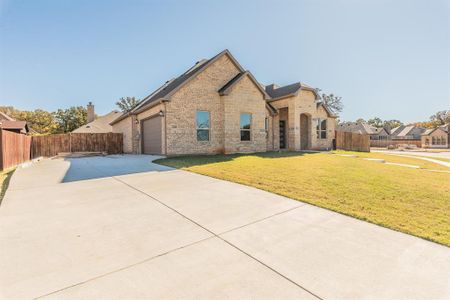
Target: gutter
x=124 y=116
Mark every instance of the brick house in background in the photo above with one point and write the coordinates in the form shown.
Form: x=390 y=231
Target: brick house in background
x=218 y=107
x=438 y=137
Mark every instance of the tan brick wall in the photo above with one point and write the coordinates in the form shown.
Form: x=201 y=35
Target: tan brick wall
x=437 y=133
x=124 y=127
x=199 y=94
x=245 y=97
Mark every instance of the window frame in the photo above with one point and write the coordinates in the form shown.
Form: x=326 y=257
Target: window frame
x=244 y=129
x=203 y=129
x=319 y=129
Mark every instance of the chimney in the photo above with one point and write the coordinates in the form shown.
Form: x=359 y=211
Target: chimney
x=90 y=112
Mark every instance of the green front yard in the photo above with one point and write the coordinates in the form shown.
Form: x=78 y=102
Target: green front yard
x=414 y=201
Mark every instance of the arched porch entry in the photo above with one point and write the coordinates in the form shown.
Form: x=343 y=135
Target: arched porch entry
x=305 y=131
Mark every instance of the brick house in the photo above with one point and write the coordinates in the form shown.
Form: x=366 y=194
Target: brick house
x=218 y=107
x=438 y=137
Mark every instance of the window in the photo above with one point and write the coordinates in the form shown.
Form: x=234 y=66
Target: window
x=433 y=141
x=266 y=124
x=321 y=128
x=202 y=120
x=427 y=141
x=246 y=121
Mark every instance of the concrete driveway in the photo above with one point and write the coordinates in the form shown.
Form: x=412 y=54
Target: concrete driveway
x=120 y=227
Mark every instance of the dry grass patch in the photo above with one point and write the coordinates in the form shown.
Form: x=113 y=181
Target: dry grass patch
x=413 y=201
x=5 y=176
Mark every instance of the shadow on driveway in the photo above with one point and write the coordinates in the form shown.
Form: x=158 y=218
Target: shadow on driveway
x=112 y=165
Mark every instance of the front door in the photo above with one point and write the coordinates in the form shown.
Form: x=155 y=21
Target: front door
x=282 y=134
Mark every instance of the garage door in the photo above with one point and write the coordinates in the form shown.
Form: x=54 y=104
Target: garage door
x=151 y=136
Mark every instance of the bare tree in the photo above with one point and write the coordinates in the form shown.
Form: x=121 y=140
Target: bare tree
x=332 y=101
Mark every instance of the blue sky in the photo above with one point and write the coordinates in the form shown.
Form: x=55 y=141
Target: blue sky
x=386 y=58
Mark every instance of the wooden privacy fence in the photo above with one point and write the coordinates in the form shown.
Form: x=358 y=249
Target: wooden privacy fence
x=395 y=143
x=352 y=141
x=51 y=145
x=14 y=149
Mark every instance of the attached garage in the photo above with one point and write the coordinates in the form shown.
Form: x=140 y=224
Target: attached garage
x=152 y=135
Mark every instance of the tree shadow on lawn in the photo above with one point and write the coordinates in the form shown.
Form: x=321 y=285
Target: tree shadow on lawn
x=199 y=160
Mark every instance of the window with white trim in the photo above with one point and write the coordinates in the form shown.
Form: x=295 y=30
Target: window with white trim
x=321 y=128
x=202 y=124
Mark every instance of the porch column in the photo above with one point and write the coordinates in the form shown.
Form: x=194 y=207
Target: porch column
x=294 y=127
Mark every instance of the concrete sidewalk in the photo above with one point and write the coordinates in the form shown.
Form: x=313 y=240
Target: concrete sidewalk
x=136 y=230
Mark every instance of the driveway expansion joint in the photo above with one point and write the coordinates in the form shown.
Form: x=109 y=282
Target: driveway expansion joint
x=224 y=240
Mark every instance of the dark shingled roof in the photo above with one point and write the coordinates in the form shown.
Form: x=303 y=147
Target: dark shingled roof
x=288 y=90
x=173 y=85
x=283 y=91
x=230 y=83
x=170 y=85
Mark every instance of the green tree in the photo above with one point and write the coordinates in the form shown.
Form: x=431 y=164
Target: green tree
x=127 y=103
x=376 y=122
x=70 y=119
x=360 y=120
x=440 y=118
x=392 y=123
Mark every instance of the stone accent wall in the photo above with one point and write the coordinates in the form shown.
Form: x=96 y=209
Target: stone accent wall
x=245 y=97
x=290 y=110
x=200 y=94
x=323 y=144
x=125 y=128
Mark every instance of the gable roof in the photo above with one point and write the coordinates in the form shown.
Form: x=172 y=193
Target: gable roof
x=226 y=89
x=363 y=128
x=99 y=125
x=173 y=85
x=431 y=130
x=288 y=90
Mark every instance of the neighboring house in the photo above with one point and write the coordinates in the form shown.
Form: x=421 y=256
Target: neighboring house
x=375 y=134
x=10 y=124
x=99 y=124
x=218 y=107
x=407 y=132
x=437 y=137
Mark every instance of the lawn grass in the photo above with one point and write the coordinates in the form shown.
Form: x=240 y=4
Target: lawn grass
x=413 y=201
x=5 y=176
